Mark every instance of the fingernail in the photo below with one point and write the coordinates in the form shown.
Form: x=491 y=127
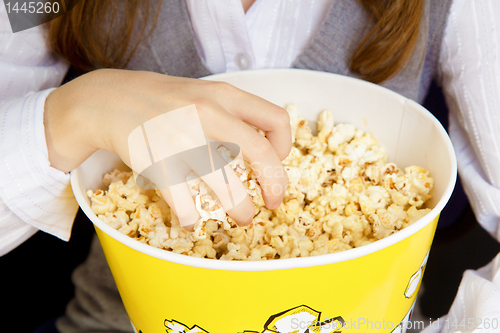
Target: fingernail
x=189 y=227
x=274 y=205
x=245 y=223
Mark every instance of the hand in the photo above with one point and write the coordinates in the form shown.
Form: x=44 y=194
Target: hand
x=99 y=110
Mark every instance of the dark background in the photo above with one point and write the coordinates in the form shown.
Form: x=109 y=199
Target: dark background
x=36 y=276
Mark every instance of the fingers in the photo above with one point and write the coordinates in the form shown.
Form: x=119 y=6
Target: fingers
x=232 y=194
x=230 y=191
x=182 y=204
x=222 y=181
x=261 y=154
x=223 y=111
x=268 y=169
x=269 y=117
x=177 y=193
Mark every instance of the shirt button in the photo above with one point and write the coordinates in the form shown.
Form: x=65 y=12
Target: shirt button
x=242 y=61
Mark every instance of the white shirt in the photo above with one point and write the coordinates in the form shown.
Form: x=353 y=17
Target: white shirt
x=34 y=196
x=231 y=40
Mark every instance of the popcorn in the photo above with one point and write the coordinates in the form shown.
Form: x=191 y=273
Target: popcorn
x=116 y=219
x=100 y=202
x=342 y=194
x=340 y=134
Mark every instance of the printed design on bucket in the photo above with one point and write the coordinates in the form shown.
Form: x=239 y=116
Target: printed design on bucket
x=173 y=326
x=300 y=319
x=414 y=282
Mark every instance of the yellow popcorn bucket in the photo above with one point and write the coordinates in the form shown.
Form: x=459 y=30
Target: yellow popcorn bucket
x=370 y=288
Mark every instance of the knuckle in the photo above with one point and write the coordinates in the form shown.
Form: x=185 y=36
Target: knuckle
x=222 y=88
x=282 y=118
x=261 y=147
x=203 y=105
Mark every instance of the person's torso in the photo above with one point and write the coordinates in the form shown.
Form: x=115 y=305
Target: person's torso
x=173 y=47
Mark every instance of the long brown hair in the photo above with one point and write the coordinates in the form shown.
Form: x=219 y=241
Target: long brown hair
x=84 y=35
x=98 y=33
x=389 y=45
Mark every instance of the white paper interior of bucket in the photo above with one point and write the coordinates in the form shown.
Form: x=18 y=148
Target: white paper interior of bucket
x=409 y=136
